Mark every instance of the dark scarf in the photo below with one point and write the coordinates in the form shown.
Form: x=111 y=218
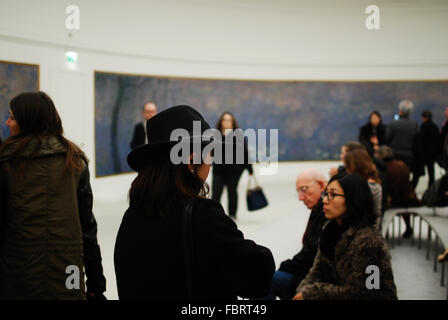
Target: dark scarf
x=330 y=236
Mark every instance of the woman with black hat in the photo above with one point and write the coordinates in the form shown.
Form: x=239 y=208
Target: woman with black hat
x=173 y=243
x=353 y=260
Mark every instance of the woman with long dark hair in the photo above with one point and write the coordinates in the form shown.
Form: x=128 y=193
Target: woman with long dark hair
x=48 y=225
x=373 y=133
x=350 y=248
x=173 y=242
x=228 y=175
x=359 y=162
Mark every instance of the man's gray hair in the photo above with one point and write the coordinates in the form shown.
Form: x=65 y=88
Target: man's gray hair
x=314 y=174
x=405 y=106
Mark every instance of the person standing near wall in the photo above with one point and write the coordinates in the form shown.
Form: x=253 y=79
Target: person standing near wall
x=139 y=136
x=372 y=134
x=48 y=225
x=402 y=136
x=229 y=174
x=430 y=137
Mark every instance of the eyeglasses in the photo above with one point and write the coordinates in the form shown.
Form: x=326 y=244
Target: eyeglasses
x=331 y=195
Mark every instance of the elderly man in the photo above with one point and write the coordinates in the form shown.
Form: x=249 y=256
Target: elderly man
x=139 y=136
x=309 y=185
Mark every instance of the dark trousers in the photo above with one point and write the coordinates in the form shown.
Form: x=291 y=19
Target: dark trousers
x=430 y=168
x=230 y=180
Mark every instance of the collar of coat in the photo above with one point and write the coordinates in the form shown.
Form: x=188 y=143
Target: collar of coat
x=344 y=240
x=48 y=146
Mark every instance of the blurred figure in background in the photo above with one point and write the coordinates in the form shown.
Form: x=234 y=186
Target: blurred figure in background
x=139 y=137
x=373 y=133
x=444 y=133
x=401 y=194
x=359 y=162
x=430 y=139
x=402 y=137
x=229 y=174
x=309 y=185
x=48 y=224
x=349 y=146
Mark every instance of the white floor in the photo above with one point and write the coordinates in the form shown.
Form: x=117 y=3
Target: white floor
x=279 y=227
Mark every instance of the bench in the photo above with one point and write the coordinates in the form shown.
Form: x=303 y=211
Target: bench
x=436 y=223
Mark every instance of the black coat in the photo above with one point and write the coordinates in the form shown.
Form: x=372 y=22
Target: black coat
x=430 y=141
x=234 y=168
x=149 y=261
x=302 y=262
x=402 y=137
x=138 y=138
x=367 y=131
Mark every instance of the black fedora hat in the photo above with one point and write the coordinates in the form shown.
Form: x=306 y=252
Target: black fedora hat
x=160 y=128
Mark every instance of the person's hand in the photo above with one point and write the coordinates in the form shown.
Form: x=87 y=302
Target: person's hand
x=374 y=140
x=333 y=172
x=298 y=296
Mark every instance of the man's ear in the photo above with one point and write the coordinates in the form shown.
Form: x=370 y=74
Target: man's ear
x=322 y=185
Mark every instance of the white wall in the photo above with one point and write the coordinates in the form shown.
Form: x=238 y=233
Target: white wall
x=246 y=39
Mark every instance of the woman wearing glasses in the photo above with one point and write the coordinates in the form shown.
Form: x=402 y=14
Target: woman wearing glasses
x=353 y=261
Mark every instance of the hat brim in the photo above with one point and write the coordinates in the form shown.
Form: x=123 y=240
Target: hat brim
x=139 y=158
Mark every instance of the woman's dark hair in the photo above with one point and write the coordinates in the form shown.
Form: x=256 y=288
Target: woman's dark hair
x=163 y=186
x=353 y=145
x=358 y=199
x=379 y=116
x=358 y=161
x=427 y=114
x=234 y=122
x=37 y=117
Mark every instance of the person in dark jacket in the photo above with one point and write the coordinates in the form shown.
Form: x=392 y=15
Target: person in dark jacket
x=139 y=136
x=350 y=248
x=400 y=192
x=229 y=175
x=403 y=137
x=373 y=133
x=309 y=185
x=173 y=243
x=443 y=140
x=430 y=142
x=49 y=233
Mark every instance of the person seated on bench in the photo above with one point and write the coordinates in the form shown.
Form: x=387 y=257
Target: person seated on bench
x=351 y=250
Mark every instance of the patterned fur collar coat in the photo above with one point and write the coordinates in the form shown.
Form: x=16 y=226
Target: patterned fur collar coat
x=344 y=277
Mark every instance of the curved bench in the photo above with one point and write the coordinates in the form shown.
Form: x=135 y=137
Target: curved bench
x=436 y=223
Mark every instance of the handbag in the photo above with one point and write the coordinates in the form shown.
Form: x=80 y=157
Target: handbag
x=255 y=197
